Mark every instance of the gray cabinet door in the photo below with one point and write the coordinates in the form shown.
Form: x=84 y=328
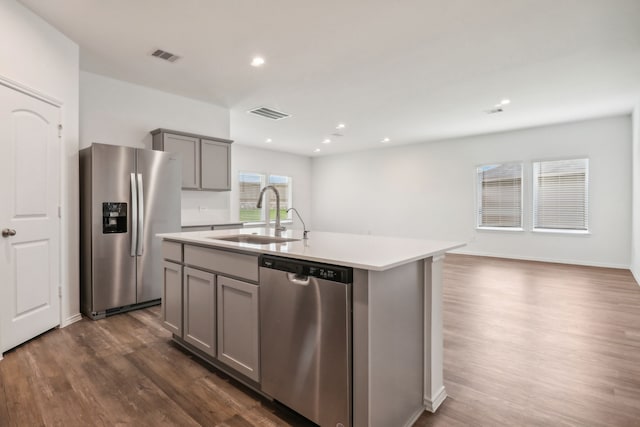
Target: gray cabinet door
x=189 y=149
x=200 y=310
x=238 y=339
x=172 y=297
x=215 y=161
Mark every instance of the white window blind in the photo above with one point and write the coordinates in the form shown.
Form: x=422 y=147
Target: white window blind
x=500 y=196
x=560 y=194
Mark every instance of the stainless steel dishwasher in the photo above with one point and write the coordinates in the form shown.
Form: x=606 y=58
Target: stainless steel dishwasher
x=305 y=326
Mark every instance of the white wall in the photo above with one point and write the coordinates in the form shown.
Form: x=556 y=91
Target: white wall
x=249 y=159
x=121 y=113
x=635 y=239
x=39 y=57
x=428 y=191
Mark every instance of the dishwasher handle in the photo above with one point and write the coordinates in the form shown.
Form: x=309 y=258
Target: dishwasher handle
x=298 y=279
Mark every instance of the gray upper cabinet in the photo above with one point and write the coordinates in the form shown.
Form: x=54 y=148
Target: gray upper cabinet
x=215 y=160
x=206 y=161
x=187 y=146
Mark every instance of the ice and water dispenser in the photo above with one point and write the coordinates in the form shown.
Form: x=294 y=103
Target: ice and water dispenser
x=114 y=217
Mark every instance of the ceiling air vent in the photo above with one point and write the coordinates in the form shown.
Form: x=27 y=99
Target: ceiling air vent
x=167 y=56
x=269 y=113
x=494 y=110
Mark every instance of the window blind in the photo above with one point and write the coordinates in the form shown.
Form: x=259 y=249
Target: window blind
x=500 y=195
x=560 y=194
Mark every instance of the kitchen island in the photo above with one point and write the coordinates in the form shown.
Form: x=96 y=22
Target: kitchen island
x=211 y=303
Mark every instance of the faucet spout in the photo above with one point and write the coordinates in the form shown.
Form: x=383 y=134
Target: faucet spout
x=279 y=227
x=304 y=227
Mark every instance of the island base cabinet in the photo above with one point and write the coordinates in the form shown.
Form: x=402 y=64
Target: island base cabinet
x=238 y=341
x=172 y=297
x=199 y=310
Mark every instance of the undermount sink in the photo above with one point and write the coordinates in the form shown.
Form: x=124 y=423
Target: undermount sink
x=254 y=239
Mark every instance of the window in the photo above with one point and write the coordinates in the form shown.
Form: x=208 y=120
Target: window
x=560 y=195
x=499 y=196
x=250 y=184
x=283 y=185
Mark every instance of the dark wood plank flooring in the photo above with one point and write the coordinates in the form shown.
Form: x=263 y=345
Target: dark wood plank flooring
x=526 y=344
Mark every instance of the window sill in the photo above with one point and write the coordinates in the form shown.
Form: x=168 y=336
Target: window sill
x=516 y=229
x=560 y=231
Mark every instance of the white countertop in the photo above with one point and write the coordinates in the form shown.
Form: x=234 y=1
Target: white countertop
x=352 y=250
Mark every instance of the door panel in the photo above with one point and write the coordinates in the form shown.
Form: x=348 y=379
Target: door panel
x=113 y=267
x=172 y=298
x=188 y=148
x=215 y=165
x=199 y=325
x=29 y=188
x=30 y=143
x=160 y=173
x=238 y=337
x=30 y=296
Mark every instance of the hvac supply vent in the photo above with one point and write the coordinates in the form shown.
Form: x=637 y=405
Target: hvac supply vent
x=494 y=110
x=269 y=113
x=167 y=56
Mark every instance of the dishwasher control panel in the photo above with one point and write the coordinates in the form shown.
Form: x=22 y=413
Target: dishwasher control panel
x=334 y=273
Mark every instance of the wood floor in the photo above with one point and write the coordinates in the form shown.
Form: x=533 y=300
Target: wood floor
x=526 y=344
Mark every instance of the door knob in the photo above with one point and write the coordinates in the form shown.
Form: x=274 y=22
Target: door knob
x=6 y=232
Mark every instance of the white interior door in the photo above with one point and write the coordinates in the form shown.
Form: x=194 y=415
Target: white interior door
x=29 y=219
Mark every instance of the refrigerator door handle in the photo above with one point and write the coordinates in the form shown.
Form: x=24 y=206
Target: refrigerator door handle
x=134 y=214
x=140 y=216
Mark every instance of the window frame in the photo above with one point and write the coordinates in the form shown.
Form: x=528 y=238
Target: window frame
x=478 y=198
x=535 y=202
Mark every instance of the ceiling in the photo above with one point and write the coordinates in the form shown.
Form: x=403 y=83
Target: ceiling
x=411 y=70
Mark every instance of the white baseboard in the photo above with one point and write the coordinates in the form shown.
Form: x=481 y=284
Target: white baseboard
x=431 y=403
x=414 y=418
x=70 y=320
x=636 y=275
x=542 y=259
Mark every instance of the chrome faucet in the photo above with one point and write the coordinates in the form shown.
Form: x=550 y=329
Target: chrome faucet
x=279 y=227
x=304 y=227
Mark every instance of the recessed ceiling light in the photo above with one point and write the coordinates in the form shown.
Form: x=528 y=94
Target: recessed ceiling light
x=326 y=141
x=268 y=140
x=341 y=126
x=257 y=61
x=505 y=101
x=317 y=150
x=385 y=140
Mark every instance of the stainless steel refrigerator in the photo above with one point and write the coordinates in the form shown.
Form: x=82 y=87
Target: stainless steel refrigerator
x=127 y=195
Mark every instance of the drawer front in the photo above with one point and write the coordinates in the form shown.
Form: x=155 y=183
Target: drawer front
x=172 y=251
x=223 y=262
